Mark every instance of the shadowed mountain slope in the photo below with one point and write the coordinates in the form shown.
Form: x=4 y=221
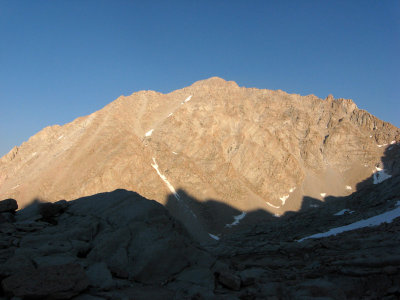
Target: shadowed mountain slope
x=119 y=245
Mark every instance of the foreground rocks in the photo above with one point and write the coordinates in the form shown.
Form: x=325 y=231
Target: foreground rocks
x=8 y=206
x=100 y=244
x=120 y=245
x=56 y=282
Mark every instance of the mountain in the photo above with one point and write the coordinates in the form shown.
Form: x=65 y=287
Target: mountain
x=258 y=194
x=248 y=148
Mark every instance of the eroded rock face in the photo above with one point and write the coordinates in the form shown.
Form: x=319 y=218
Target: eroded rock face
x=245 y=147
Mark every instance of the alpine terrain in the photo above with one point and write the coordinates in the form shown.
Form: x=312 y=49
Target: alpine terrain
x=213 y=191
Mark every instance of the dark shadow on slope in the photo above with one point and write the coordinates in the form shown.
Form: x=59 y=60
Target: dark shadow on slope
x=390 y=165
x=203 y=218
x=374 y=195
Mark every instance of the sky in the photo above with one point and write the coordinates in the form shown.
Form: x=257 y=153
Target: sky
x=63 y=59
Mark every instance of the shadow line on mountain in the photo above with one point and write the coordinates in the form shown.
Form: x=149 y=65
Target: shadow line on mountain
x=213 y=217
x=204 y=219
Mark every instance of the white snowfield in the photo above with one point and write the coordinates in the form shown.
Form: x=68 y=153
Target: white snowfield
x=323 y=195
x=380 y=175
x=214 y=237
x=292 y=189
x=343 y=211
x=386 y=217
x=392 y=142
x=148 y=133
x=348 y=187
x=188 y=98
x=237 y=219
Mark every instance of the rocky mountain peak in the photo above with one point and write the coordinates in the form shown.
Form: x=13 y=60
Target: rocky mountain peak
x=248 y=148
x=213 y=191
x=215 y=82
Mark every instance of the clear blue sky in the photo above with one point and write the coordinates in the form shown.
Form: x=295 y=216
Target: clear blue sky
x=63 y=59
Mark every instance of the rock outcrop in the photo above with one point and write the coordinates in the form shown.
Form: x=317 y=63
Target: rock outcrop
x=120 y=245
x=102 y=243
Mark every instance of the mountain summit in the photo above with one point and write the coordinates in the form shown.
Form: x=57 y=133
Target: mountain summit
x=251 y=149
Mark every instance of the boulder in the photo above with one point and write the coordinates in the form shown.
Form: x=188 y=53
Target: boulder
x=229 y=280
x=194 y=283
x=15 y=264
x=6 y=217
x=99 y=276
x=8 y=205
x=51 y=210
x=249 y=276
x=55 y=282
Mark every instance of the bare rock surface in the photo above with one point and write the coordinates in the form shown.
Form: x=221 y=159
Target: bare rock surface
x=56 y=282
x=107 y=242
x=244 y=147
x=243 y=179
x=120 y=245
x=8 y=205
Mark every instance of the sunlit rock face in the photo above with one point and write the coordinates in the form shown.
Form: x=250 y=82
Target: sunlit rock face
x=251 y=149
x=281 y=196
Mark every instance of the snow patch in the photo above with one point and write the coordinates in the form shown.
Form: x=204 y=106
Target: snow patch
x=380 y=175
x=343 y=211
x=60 y=137
x=270 y=204
x=188 y=98
x=392 y=142
x=283 y=199
x=170 y=115
x=292 y=189
x=148 y=133
x=386 y=217
x=169 y=185
x=323 y=195
x=237 y=219
x=171 y=188
x=214 y=237
x=383 y=145
x=348 y=187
